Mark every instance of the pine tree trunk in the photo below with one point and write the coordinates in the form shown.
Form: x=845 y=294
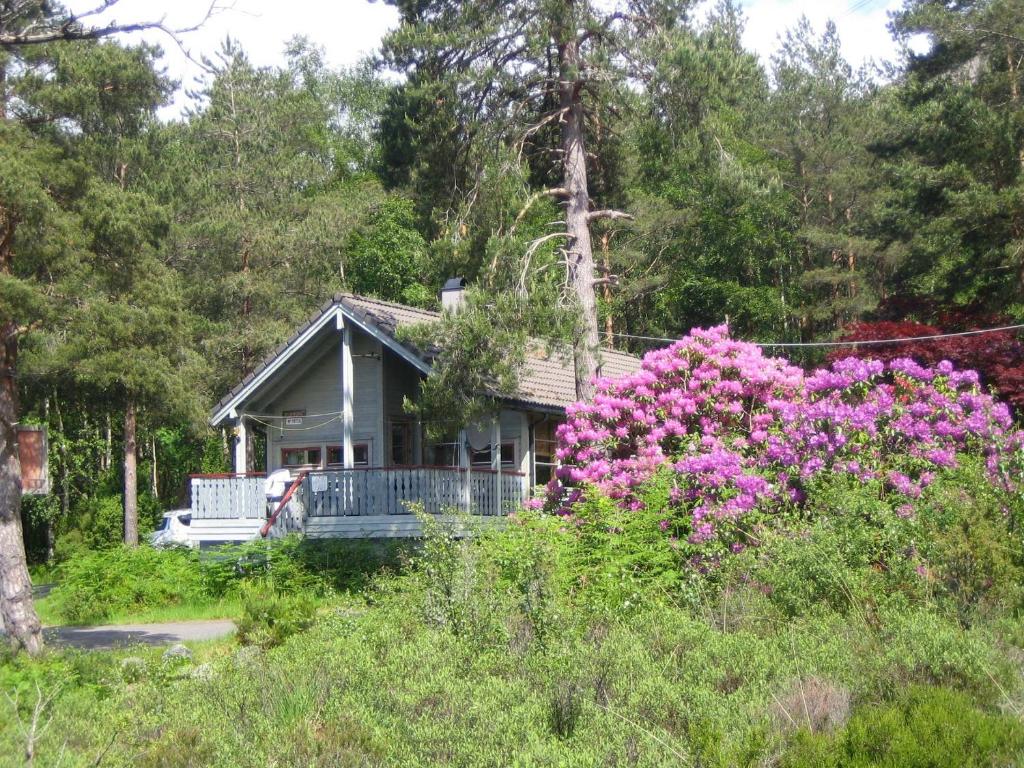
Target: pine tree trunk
x=609 y=325
x=131 y=480
x=62 y=449
x=580 y=255
x=18 y=611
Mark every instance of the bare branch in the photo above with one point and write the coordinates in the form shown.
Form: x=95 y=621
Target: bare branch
x=608 y=213
x=528 y=256
x=72 y=28
x=558 y=192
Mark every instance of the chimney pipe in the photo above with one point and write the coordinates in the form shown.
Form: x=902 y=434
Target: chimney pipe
x=453 y=295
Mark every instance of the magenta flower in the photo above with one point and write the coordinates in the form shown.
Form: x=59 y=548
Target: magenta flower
x=743 y=433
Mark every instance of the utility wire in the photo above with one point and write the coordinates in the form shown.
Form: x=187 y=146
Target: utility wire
x=860 y=343
x=292 y=429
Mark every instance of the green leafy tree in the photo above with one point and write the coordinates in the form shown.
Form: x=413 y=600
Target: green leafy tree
x=39 y=247
x=714 y=232
x=385 y=255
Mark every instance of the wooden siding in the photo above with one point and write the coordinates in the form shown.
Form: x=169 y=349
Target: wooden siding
x=381 y=381
x=390 y=526
x=318 y=391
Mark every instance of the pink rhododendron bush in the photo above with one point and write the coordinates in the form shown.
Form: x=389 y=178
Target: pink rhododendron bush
x=742 y=435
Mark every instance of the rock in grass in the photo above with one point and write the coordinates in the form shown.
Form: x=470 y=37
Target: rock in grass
x=248 y=656
x=203 y=672
x=177 y=652
x=133 y=669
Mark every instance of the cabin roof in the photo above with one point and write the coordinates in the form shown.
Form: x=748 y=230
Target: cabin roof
x=547 y=380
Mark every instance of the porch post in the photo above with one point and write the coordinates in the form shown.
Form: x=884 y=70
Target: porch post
x=496 y=461
x=348 y=456
x=241 y=445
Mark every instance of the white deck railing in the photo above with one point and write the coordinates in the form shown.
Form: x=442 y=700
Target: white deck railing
x=227 y=497
x=365 y=492
x=390 y=491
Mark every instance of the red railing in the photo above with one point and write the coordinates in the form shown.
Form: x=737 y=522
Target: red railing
x=265 y=528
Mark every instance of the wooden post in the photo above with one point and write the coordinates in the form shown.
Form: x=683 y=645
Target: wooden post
x=496 y=461
x=526 y=461
x=241 y=447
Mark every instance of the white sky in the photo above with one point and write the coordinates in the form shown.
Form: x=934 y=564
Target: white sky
x=350 y=29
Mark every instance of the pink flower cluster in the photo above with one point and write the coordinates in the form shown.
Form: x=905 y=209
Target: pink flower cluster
x=743 y=432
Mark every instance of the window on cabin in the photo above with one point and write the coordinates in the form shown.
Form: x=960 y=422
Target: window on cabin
x=300 y=457
x=508 y=456
x=360 y=455
x=400 y=443
x=544 y=446
x=445 y=454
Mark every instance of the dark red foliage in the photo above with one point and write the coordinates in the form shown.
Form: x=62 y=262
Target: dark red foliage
x=997 y=357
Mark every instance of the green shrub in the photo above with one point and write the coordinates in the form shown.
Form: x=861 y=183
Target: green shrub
x=269 y=617
x=100 y=520
x=95 y=585
x=927 y=727
x=295 y=564
x=970 y=538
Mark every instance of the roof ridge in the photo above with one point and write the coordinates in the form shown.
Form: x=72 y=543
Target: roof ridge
x=340 y=297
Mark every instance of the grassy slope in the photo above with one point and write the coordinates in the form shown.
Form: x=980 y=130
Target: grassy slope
x=227 y=608
x=827 y=647
x=385 y=687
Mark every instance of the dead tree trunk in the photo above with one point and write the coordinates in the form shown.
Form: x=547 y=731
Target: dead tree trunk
x=131 y=480
x=579 y=249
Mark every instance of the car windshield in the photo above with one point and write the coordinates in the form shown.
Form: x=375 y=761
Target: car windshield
x=164 y=522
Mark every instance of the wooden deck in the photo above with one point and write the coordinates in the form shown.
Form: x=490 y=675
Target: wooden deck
x=361 y=502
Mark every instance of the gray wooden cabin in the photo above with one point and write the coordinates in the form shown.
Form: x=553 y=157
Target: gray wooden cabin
x=329 y=402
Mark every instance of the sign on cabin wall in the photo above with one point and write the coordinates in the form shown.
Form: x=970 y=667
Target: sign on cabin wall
x=35 y=465
x=294 y=418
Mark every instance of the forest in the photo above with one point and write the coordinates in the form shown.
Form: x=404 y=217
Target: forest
x=148 y=265
x=768 y=546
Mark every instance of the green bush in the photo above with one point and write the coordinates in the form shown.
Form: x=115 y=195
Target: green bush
x=269 y=617
x=926 y=727
x=294 y=564
x=95 y=585
x=970 y=539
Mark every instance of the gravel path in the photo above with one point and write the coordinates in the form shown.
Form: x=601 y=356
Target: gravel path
x=119 y=635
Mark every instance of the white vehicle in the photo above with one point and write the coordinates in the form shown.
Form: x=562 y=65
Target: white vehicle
x=173 y=530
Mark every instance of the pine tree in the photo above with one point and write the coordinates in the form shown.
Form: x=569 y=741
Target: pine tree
x=950 y=137
x=820 y=111
x=538 y=76
x=40 y=246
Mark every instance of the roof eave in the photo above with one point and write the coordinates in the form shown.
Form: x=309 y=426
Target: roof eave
x=228 y=407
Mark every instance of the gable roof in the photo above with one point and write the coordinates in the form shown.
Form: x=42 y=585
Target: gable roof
x=546 y=382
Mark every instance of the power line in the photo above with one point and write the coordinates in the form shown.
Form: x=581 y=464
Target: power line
x=857 y=6
x=860 y=343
